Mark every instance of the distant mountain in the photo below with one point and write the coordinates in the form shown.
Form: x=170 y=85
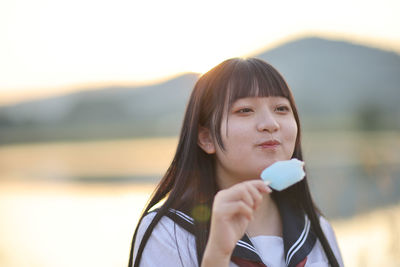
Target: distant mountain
x=114 y=112
x=337 y=85
x=336 y=76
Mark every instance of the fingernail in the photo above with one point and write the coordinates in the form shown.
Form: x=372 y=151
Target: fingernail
x=269 y=190
x=267 y=185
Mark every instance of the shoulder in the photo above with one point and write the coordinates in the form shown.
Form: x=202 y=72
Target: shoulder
x=165 y=227
x=331 y=237
x=168 y=240
x=166 y=230
x=172 y=224
x=327 y=228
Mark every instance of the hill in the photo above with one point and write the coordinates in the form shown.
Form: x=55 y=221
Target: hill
x=337 y=85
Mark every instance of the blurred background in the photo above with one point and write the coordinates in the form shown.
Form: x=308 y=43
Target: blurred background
x=92 y=95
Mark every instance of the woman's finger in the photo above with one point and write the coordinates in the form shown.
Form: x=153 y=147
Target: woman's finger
x=245 y=195
x=238 y=208
x=261 y=186
x=250 y=192
x=255 y=194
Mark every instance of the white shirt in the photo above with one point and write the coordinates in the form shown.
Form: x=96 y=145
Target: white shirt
x=170 y=245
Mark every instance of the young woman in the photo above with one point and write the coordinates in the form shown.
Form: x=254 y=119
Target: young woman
x=241 y=118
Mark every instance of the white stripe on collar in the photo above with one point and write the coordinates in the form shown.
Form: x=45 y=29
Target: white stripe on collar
x=300 y=241
x=183 y=216
x=247 y=246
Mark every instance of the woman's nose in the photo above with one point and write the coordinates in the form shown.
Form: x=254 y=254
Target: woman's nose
x=267 y=123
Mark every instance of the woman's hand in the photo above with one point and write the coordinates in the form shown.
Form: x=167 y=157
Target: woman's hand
x=231 y=213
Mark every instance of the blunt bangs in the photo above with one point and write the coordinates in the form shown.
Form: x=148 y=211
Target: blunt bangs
x=255 y=78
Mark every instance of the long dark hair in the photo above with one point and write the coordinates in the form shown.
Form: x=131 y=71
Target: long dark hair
x=190 y=181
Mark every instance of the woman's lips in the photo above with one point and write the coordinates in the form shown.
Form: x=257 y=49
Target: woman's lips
x=269 y=144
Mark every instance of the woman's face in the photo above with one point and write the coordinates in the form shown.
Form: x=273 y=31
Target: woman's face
x=256 y=132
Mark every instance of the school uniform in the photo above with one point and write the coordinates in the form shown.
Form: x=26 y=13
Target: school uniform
x=172 y=244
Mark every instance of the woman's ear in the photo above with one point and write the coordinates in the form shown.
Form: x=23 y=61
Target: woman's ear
x=205 y=140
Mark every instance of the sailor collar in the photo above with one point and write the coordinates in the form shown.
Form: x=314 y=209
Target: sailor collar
x=298 y=237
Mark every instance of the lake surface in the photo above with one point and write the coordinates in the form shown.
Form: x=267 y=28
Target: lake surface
x=73 y=225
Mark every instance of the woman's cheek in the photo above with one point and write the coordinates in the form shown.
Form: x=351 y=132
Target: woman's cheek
x=291 y=135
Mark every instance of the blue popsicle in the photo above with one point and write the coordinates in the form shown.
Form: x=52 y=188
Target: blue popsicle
x=283 y=174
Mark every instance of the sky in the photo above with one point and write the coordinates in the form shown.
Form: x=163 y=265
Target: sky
x=49 y=47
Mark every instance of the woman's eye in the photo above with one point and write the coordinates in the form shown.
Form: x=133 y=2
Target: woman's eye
x=244 y=110
x=283 y=108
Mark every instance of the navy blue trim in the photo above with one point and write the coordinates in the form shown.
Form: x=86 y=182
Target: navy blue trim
x=181 y=221
x=245 y=249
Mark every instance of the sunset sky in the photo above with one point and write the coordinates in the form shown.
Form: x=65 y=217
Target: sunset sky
x=55 y=46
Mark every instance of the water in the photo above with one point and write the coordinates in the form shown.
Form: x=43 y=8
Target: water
x=346 y=190
x=68 y=225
